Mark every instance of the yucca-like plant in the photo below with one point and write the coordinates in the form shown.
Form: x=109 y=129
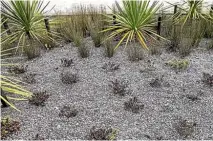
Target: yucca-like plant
x=8 y=84
x=135 y=20
x=26 y=21
x=11 y=85
x=193 y=10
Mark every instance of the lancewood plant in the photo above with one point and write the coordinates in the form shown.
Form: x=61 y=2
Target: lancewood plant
x=11 y=85
x=135 y=20
x=7 y=83
x=190 y=10
x=26 y=20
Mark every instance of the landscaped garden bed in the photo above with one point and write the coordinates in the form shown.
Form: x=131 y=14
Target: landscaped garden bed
x=136 y=74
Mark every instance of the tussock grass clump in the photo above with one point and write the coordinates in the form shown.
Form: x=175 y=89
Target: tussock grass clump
x=154 y=50
x=8 y=127
x=32 y=50
x=208 y=79
x=135 y=52
x=83 y=50
x=69 y=78
x=39 y=99
x=96 y=36
x=78 y=38
x=109 y=48
x=79 y=42
x=96 y=24
x=17 y=69
x=178 y=64
x=68 y=111
x=185 y=50
x=120 y=87
x=66 y=62
x=102 y=134
x=133 y=105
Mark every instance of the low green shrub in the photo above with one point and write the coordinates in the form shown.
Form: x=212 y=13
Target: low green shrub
x=178 y=64
x=8 y=127
x=102 y=134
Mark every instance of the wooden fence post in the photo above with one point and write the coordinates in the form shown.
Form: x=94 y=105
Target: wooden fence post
x=46 y=21
x=5 y=25
x=159 y=26
x=175 y=9
x=47 y=25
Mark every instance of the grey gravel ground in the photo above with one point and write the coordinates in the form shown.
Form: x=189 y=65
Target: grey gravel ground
x=99 y=107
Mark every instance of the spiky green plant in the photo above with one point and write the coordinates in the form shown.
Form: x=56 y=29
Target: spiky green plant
x=26 y=20
x=11 y=85
x=7 y=83
x=135 y=20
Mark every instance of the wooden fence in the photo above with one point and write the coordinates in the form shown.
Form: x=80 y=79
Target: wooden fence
x=46 y=21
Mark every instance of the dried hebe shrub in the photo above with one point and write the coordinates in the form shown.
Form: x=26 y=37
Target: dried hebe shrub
x=68 y=111
x=185 y=128
x=155 y=83
x=192 y=97
x=66 y=62
x=39 y=98
x=38 y=137
x=17 y=69
x=69 y=77
x=110 y=66
x=120 y=87
x=133 y=105
x=102 y=134
x=208 y=79
x=30 y=78
x=8 y=127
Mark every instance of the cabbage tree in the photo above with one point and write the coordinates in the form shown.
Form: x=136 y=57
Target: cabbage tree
x=135 y=20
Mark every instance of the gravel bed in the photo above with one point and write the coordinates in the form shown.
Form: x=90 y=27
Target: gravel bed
x=98 y=106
